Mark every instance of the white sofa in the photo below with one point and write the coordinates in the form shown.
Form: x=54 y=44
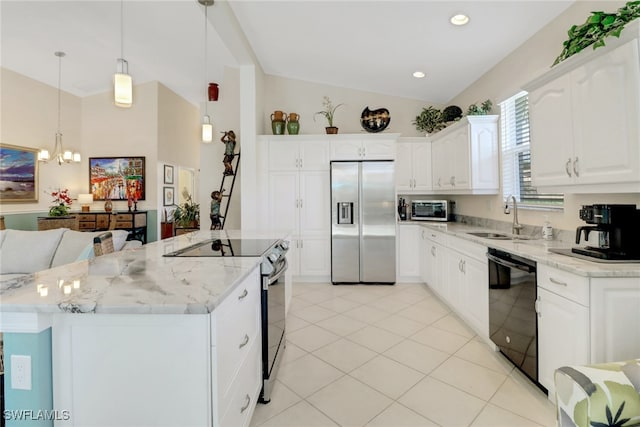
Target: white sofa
x=25 y=252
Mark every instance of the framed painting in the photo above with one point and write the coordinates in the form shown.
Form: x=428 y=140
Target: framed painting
x=18 y=174
x=117 y=178
x=167 y=199
x=168 y=174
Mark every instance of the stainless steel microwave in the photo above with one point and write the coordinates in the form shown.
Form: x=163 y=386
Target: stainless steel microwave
x=430 y=210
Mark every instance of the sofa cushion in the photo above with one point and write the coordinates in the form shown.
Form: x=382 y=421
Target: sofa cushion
x=3 y=233
x=28 y=251
x=78 y=245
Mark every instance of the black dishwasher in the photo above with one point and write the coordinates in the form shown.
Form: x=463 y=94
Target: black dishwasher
x=513 y=325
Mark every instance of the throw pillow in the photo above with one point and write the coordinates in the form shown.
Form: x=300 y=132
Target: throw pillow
x=29 y=251
x=119 y=239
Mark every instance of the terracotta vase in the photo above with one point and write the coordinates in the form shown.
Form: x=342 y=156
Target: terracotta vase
x=108 y=205
x=278 y=116
x=331 y=130
x=213 y=91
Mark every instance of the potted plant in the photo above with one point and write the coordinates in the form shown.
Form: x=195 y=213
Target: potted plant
x=484 y=108
x=61 y=203
x=596 y=28
x=328 y=112
x=187 y=214
x=429 y=121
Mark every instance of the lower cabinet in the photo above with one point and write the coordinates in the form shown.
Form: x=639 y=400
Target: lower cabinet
x=161 y=370
x=434 y=261
x=408 y=252
x=310 y=258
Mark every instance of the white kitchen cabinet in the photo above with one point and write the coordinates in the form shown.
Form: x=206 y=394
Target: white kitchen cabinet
x=161 y=370
x=413 y=165
x=585 y=133
x=435 y=259
x=298 y=200
x=378 y=147
x=563 y=335
x=465 y=157
x=408 y=253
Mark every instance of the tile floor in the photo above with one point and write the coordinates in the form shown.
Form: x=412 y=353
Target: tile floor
x=392 y=356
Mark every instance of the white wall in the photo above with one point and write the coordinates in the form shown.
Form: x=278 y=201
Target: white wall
x=305 y=98
x=531 y=59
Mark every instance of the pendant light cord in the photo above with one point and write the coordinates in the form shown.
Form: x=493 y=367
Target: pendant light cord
x=122 y=32
x=59 y=55
x=206 y=106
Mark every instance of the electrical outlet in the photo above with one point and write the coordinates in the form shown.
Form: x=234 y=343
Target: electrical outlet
x=20 y=372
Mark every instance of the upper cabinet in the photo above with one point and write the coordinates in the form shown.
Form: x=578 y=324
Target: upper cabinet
x=465 y=157
x=364 y=147
x=584 y=120
x=413 y=165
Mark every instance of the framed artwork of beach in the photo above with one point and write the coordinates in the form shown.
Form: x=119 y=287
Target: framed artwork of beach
x=18 y=174
x=117 y=178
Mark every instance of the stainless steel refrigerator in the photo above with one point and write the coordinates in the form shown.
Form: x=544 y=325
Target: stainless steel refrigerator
x=363 y=222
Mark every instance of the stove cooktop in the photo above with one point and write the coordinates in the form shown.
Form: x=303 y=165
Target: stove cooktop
x=226 y=248
x=569 y=252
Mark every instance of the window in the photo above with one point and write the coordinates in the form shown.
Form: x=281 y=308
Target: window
x=516 y=156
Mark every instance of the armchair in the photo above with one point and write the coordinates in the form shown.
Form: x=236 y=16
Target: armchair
x=601 y=395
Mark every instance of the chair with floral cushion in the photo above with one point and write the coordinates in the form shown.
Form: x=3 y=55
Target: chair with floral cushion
x=601 y=395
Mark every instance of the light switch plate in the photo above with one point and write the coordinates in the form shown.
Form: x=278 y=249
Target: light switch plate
x=20 y=372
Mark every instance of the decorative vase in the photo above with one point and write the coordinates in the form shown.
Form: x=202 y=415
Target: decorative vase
x=293 y=126
x=108 y=205
x=278 y=116
x=277 y=126
x=213 y=91
x=331 y=130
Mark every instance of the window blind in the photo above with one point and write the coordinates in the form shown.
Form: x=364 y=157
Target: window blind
x=516 y=155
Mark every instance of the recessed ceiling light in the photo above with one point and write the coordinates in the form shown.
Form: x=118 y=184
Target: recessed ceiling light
x=418 y=74
x=459 y=19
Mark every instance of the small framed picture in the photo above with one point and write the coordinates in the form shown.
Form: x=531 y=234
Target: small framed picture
x=167 y=199
x=168 y=174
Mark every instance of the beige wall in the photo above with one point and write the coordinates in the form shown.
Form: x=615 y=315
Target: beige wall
x=29 y=118
x=305 y=98
x=531 y=59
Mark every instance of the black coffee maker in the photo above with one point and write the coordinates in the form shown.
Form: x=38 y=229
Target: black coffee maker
x=619 y=226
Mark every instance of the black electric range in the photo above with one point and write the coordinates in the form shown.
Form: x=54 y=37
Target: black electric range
x=226 y=248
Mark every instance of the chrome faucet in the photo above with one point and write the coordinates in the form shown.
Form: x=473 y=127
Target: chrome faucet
x=516 y=227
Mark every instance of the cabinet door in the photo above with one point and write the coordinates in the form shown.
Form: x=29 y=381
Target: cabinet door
x=408 y=252
x=551 y=130
x=315 y=257
x=346 y=150
x=459 y=156
x=379 y=150
x=475 y=294
x=454 y=270
x=425 y=262
x=313 y=202
x=314 y=156
x=404 y=173
x=283 y=201
x=483 y=141
x=605 y=104
x=283 y=156
x=563 y=335
x=421 y=166
x=439 y=164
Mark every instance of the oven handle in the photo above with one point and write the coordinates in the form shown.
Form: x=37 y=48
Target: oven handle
x=276 y=275
x=510 y=264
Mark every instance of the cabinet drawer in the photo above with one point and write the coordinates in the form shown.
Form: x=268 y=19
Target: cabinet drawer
x=87 y=225
x=563 y=283
x=238 y=405
x=432 y=235
x=237 y=329
x=471 y=249
x=102 y=221
x=124 y=224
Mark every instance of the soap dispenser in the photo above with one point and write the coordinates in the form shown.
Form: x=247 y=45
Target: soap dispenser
x=547 y=230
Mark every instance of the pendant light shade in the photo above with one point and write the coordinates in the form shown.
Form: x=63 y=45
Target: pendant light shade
x=207 y=127
x=59 y=153
x=123 y=85
x=122 y=82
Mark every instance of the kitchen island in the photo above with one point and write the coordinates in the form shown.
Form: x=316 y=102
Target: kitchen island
x=140 y=339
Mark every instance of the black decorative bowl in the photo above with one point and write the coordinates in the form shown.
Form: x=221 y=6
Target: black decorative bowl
x=376 y=120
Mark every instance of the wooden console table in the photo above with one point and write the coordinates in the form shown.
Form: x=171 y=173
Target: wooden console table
x=134 y=222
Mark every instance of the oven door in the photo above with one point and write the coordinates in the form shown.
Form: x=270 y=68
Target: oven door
x=513 y=323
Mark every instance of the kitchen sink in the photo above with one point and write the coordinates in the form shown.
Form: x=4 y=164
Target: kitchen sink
x=490 y=235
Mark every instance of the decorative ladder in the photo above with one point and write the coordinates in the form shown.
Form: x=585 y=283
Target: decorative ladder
x=227 y=196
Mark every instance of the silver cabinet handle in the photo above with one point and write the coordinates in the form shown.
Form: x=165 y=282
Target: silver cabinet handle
x=243 y=295
x=301 y=244
x=433 y=250
x=464 y=267
x=244 y=408
x=575 y=167
x=460 y=265
x=301 y=203
x=557 y=282
x=439 y=184
x=245 y=341
x=566 y=167
x=452 y=181
x=301 y=162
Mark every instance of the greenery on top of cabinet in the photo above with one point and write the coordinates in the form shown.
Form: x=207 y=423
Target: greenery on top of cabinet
x=596 y=28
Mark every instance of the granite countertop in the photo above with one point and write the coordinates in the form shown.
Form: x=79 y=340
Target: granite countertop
x=537 y=250
x=138 y=281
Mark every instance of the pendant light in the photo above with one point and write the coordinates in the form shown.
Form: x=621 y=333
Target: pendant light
x=59 y=153
x=207 y=127
x=122 y=82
